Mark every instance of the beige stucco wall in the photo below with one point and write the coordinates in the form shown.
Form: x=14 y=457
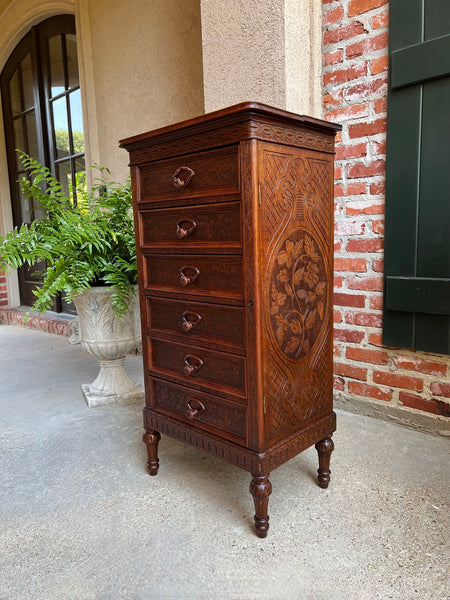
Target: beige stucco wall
x=262 y=51
x=303 y=51
x=243 y=52
x=147 y=69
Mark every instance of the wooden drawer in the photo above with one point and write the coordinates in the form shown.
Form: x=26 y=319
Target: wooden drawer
x=200 y=174
x=205 y=275
x=214 y=226
x=198 y=366
x=197 y=321
x=202 y=410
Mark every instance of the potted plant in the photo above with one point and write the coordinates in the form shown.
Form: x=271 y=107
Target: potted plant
x=90 y=253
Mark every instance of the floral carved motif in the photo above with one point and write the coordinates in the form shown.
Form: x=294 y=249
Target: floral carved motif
x=298 y=294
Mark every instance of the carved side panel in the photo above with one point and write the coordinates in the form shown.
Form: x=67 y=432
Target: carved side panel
x=296 y=257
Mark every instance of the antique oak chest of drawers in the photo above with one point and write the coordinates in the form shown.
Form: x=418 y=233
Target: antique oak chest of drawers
x=234 y=230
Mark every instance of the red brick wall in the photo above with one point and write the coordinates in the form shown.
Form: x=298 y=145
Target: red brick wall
x=11 y=316
x=355 y=40
x=3 y=291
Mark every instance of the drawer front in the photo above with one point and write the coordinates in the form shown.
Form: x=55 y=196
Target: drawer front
x=194 y=274
x=198 y=366
x=197 y=320
x=215 y=224
x=205 y=173
x=202 y=410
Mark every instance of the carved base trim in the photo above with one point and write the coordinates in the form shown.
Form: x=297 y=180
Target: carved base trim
x=257 y=463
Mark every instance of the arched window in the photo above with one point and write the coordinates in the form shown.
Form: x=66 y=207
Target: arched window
x=42 y=114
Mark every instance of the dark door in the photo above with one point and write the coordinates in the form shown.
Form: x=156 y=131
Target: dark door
x=42 y=114
x=417 y=252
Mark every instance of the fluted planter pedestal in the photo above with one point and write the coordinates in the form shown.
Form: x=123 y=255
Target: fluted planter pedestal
x=109 y=339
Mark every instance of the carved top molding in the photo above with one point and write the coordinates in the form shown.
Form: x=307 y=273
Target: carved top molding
x=232 y=126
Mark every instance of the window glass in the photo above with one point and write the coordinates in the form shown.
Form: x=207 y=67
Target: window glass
x=72 y=60
x=80 y=178
x=61 y=127
x=64 y=175
x=19 y=141
x=57 y=85
x=77 y=122
x=33 y=148
x=14 y=90
x=27 y=83
x=25 y=207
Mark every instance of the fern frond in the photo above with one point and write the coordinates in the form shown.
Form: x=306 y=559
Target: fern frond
x=81 y=244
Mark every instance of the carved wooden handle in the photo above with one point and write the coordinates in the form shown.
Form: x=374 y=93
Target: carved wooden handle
x=186 y=279
x=192 y=364
x=195 y=408
x=182 y=232
x=190 y=320
x=182 y=177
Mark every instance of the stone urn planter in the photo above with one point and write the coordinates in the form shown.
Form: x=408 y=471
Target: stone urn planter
x=109 y=339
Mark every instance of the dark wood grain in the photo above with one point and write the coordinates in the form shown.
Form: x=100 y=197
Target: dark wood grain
x=233 y=213
x=213 y=413
x=212 y=324
x=214 y=171
x=151 y=439
x=260 y=489
x=209 y=226
x=219 y=277
x=217 y=368
x=324 y=449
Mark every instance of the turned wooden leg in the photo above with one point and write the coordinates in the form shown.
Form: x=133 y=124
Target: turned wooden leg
x=324 y=449
x=151 y=438
x=260 y=489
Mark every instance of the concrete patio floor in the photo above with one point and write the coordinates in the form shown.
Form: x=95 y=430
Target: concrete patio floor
x=81 y=519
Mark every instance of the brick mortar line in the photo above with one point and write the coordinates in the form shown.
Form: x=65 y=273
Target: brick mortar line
x=427 y=378
x=346 y=19
x=348 y=63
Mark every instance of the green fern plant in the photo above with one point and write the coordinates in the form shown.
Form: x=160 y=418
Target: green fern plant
x=89 y=244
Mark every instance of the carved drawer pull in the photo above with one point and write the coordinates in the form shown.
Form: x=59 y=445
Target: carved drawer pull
x=185 y=278
x=190 y=320
x=192 y=364
x=195 y=408
x=183 y=231
x=182 y=177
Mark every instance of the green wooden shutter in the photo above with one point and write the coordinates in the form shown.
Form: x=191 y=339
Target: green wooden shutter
x=417 y=238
